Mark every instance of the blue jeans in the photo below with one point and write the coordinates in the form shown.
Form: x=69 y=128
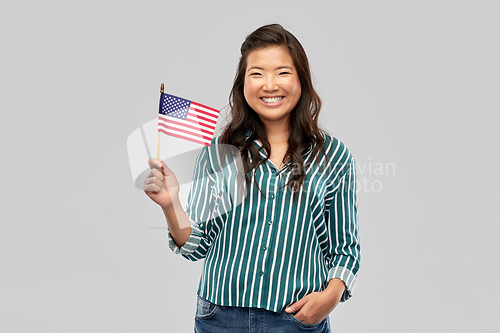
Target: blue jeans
x=213 y=318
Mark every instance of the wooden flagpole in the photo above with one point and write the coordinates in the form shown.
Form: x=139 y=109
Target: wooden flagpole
x=158 y=152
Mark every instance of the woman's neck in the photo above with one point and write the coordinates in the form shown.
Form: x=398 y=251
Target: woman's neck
x=277 y=133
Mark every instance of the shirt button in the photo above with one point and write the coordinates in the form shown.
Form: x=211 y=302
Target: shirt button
x=261 y=273
x=264 y=248
x=269 y=221
x=272 y=196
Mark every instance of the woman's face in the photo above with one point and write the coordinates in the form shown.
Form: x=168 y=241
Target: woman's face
x=272 y=85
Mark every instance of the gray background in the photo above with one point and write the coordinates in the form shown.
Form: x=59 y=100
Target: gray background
x=408 y=84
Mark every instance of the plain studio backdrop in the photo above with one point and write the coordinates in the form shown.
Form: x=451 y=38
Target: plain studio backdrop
x=411 y=87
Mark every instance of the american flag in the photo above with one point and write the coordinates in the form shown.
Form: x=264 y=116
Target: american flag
x=187 y=120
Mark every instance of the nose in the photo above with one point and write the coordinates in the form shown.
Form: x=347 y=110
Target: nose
x=270 y=83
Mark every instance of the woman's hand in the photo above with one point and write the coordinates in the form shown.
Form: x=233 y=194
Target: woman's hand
x=154 y=186
x=316 y=306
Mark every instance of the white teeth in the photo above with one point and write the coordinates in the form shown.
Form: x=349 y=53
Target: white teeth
x=272 y=99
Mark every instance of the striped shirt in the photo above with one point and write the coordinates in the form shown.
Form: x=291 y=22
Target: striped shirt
x=265 y=250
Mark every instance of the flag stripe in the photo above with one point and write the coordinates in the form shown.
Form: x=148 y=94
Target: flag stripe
x=185 y=138
x=195 y=129
x=193 y=121
x=183 y=130
x=208 y=113
x=196 y=120
x=186 y=133
x=205 y=107
x=200 y=116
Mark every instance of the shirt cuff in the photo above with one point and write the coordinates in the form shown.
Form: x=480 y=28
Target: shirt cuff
x=191 y=244
x=346 y=276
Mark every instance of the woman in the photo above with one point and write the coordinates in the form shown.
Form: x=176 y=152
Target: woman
x=279 y=234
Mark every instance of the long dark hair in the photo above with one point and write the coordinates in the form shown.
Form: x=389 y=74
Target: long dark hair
x=304 y=130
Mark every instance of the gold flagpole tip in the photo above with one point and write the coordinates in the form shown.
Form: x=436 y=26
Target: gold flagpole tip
x=161 y=88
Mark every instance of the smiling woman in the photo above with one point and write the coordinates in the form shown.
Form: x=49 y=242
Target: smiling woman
x=268 y=55
x=283 y=258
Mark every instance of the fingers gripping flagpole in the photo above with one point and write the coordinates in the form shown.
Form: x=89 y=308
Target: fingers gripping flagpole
x=158 y=152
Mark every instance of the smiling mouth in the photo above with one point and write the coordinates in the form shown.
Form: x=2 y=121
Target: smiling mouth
x=272 y=100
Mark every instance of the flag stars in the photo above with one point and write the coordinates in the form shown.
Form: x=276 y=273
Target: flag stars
x=175 y=106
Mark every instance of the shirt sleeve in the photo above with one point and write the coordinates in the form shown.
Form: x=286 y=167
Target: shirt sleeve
x=341 y=215
x=199 y=210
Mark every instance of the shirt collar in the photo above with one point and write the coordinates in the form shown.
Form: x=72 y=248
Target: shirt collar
x=261 y=148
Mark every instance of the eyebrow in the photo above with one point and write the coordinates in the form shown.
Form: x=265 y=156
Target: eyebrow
x=278 y=68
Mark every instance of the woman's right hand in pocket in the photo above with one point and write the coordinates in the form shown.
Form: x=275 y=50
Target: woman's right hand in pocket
x=161 y=185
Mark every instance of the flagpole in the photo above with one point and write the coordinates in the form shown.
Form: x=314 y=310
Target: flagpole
x=158 y=152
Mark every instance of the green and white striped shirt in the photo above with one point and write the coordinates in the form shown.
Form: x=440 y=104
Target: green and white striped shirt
x=265 y=250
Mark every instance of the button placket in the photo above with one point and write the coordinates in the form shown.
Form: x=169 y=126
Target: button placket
x=272 y=186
